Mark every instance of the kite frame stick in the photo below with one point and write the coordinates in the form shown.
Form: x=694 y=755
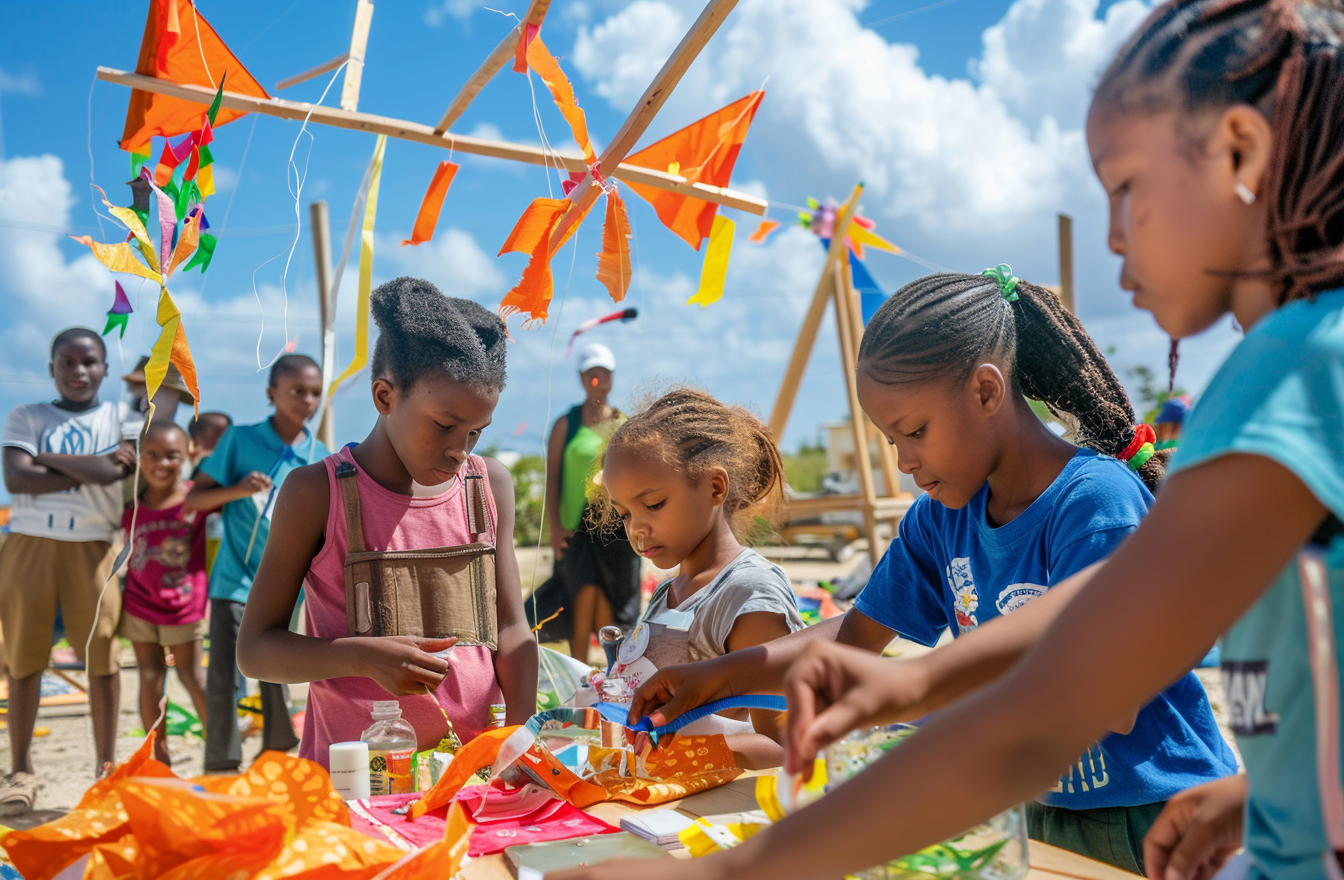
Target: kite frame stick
x=493 y=64
x=424 y=134
x=632 y=129
x=312 y=72
x=359 y=41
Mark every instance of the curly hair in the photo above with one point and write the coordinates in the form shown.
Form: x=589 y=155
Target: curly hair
x=945 y=325
x=423 y=330
x=696 y=433
x=1284 y=58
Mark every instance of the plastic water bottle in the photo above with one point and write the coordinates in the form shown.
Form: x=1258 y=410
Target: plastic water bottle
x=392 y=744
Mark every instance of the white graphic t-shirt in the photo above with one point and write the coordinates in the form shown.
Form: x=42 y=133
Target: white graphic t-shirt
x=84 y=513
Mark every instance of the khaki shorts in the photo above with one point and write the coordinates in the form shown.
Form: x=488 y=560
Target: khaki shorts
x=137 y=629
x=38 y=575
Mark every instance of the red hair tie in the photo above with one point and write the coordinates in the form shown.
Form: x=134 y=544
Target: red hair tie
x=1142 y=434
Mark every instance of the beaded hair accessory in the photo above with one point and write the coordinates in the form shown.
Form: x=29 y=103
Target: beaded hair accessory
x=1003 y=273
x=1141 y=448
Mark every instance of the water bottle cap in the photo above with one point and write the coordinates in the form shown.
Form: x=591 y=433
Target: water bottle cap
x=386 y=709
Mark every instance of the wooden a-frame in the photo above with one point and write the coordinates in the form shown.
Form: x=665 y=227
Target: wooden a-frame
x=837 y=285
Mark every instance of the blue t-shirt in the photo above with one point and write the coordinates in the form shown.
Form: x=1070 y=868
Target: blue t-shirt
x=240 y=451
x=1281 y=395
x=951 y=568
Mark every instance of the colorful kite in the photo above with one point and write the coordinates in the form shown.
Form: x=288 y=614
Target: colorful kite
x=821 y=222
x=119 y=314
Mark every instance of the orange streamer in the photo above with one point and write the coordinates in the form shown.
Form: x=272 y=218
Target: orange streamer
x=531 y=235
x=703 y=152
x=179 y=45
x=432 y=204
x=613 y=263
x=763 y=231
x=540 y=59
x=480 y=752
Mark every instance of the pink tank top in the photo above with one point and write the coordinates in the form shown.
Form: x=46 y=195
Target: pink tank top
x=339 y=709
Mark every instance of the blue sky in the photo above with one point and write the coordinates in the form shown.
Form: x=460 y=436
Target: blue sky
x=963 y=116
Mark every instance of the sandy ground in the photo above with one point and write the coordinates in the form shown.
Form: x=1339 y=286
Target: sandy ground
x=64 y=756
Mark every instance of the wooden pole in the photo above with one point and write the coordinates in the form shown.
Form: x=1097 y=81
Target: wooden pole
x=886 y=453
x=326 y=304
x=354 y=69
x=807 y=337
x=424 y=134
x=311 y=72
x=492 y=65
x=654 y=97
x=1066 y=294
x=848 y=358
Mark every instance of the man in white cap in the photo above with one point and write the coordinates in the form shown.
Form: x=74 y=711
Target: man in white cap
x=596 y=574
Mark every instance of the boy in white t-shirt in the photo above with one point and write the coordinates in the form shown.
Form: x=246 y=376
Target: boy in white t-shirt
x=63 y=463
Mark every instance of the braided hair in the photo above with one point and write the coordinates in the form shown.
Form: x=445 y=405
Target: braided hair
x=696 y=433
x=944 y=326
x=1284 y=58
x=423 y=330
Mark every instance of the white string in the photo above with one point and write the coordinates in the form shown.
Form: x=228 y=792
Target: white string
x=298 y=218
x=195 y=22
x=102 y=233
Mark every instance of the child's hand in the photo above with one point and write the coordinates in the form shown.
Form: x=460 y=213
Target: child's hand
x=124 y=456
x=674 y=691
x=403 y=665
x=1197 y=830
x=833 y=689
x=254 y=482
x=559 y=541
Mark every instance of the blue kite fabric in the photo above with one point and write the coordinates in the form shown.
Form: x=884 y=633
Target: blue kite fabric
x=871 y=295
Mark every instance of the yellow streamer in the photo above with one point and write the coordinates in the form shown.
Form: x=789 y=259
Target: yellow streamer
x=714 y=272
x=365 y=272
x=119 y=258
x=170 y=347
x=132 y=222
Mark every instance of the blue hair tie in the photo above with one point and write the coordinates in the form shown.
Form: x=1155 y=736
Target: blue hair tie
x=1003 y=273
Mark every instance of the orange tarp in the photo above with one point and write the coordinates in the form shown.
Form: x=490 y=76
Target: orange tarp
x=704 y=152
x=179 y=45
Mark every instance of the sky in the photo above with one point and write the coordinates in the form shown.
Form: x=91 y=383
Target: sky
x=962 y=117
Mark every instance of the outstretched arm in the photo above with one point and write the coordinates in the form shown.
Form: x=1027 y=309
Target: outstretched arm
x=516 y=657
x=268 y=651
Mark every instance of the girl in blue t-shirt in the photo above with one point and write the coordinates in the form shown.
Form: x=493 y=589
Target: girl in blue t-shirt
x=945 y=371
x=1218 y=135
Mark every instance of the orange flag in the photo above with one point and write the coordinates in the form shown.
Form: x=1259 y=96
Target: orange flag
x=430 y=206
x=540 y=59
x=179 y=45
x=532 y=235
x=613 y=264
x=763 y=231
x=702 y=153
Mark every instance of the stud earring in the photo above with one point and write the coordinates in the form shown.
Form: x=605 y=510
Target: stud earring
x=1245 y=193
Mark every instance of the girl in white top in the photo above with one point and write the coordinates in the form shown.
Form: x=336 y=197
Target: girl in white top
x=689 y=478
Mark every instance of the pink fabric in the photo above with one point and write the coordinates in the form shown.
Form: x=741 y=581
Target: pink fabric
x=165 y=582
x=340 y=709
x=555 y=820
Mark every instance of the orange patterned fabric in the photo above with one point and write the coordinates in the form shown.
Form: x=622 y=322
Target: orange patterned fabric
x=678 y=768
x=179 y=45
x=613 y=263
x=704 y=152
x=280 y=819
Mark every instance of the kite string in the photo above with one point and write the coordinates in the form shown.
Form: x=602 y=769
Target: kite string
x=102 y=233
x=195 y=23
x=298 y=218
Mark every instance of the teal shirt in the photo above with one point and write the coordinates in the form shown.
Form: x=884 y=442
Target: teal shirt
x=1281 y=395
x=242 y=450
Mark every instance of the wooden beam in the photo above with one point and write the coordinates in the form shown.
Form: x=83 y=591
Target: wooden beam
x=424 y=134
x=807 y=337
x=633 y=128
x=326 y=306
x=492 y=65
x=885 y=451
x=857 y=420
x=311 y=72
x=354 y=70
x=1066 y=293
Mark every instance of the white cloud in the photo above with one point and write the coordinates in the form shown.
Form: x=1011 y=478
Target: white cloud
x=1045 y=56
x=437 y=13
x=226 y=178
x=22 y=84
x=452 y=260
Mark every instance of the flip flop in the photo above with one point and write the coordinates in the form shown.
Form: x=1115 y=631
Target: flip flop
x=18 y=795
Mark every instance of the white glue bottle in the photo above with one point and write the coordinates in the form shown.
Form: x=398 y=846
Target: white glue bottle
x=392 y=744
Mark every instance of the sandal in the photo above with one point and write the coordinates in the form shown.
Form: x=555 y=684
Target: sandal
x=19 y=793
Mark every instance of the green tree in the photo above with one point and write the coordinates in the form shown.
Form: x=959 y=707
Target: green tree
x=529 y=516
x=806 y=467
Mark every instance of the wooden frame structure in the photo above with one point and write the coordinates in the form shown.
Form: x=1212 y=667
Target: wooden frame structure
x=837 y=285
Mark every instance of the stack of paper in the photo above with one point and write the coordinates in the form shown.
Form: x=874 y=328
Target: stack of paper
x=657 y=826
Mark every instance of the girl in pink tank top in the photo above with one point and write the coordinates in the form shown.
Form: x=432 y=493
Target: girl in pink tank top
x=438 y=368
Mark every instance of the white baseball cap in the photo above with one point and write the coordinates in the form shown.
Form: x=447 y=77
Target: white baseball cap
x=596 y=355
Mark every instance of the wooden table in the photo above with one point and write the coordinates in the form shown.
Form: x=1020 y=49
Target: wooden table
x=1047 y=862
